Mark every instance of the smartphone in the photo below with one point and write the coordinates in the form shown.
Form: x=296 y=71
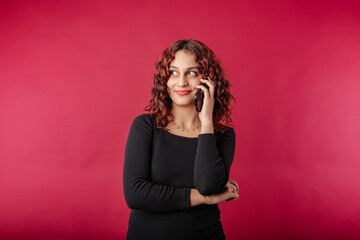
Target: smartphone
x=199 y=98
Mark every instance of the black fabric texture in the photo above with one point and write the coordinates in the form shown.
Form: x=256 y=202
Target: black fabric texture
x=159 y=170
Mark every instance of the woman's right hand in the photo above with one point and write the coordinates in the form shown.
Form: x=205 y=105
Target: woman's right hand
x=230 y=193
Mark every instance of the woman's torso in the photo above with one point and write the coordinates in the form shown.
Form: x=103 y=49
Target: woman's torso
x=172 y=163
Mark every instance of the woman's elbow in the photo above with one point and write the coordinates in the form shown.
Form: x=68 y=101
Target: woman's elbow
x=132 y=197
x=131 y=202
x=207 y=188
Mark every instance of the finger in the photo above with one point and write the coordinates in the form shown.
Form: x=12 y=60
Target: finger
x=235 y=183
x=230 y=185
x=232 y=193
x=207 y=79
x=205 y=90
x=210 y=85
x=233 y=186
x=235 y=198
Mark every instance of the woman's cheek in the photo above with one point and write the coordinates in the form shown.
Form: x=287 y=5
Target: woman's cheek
x=197 y=81
x=170 y=83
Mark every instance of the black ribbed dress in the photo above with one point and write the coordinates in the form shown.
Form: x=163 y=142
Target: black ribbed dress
x=159 y=170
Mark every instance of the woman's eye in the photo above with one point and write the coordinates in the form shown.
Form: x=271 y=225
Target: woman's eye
x=173 y=73
x=193 y=73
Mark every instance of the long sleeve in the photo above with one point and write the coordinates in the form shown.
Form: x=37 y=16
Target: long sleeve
x=139 y=191
x=213 y=161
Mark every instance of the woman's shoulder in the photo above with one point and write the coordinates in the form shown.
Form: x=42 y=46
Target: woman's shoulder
x=144 y=117
x=144 y=120
x=228 y=132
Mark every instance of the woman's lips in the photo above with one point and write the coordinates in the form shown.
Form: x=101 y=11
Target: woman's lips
x=183 y=92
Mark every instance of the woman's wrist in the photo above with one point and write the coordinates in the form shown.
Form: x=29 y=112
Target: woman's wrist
x=207 y=128
x=196 y=198
x=207 y=200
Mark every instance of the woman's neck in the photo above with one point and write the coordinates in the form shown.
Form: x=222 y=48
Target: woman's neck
x=185 y=116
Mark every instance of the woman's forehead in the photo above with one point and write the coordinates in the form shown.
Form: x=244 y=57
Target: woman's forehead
x=184 y=60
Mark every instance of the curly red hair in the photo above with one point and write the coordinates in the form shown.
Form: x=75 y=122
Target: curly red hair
x=209 y=66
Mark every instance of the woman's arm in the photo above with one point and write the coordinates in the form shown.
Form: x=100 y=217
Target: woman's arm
x=228 y=193
x=213 y=161
x=196 y=198
x=139 y=191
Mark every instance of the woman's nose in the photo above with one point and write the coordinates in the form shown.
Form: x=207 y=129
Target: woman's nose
x=182 y=81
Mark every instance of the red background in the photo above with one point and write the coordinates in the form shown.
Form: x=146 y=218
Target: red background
x=74 y=74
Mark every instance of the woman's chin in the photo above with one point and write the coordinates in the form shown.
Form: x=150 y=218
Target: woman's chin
x=184 y=104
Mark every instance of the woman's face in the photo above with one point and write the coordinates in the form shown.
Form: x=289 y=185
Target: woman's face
x=184 y=76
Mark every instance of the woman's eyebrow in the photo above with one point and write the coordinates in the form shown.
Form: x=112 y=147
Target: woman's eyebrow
x=187 y=68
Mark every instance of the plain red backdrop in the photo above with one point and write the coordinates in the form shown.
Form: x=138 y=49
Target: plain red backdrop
x=74 y=74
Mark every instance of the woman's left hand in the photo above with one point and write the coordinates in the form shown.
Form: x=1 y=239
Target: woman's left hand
x=234 y=187
x=229 y=193
x=206 y=112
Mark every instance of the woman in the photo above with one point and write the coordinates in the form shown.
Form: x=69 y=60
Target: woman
x=177 y=160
